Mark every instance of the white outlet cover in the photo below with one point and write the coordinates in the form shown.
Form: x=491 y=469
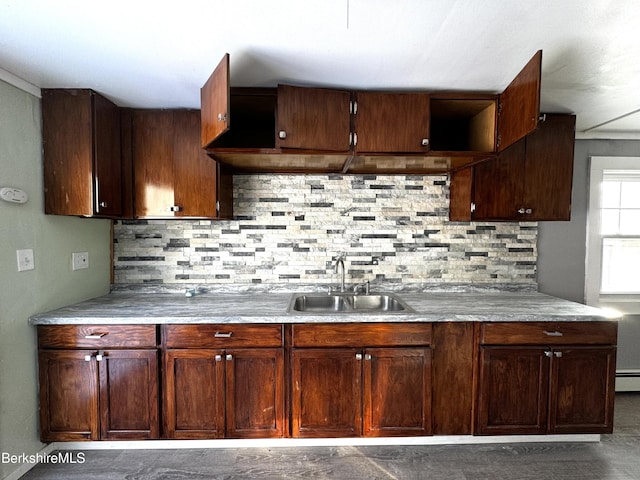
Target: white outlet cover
x=25 y=259
x=79 y=260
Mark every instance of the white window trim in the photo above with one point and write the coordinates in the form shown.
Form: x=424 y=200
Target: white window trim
x=629 y=304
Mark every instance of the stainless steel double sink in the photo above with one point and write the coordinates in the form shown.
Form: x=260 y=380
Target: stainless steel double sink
x=336 y=303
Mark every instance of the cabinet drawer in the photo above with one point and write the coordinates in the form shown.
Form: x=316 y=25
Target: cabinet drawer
x=361 y=334
x=549 y=333
x=222 y=336
x=96 y=336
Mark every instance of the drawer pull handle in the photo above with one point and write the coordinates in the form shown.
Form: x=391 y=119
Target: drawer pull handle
x=218 y=358
x=553 y=334
x=229 y=358
x=223 y=334
x=96 y=336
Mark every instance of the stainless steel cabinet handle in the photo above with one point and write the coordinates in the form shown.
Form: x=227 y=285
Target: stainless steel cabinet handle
x=555 y=333
x=222 y=117
x=525 y=211
x=99 y=357
x=282 y=134
x=547 y=354
x=425 y=142
x=96 y=336
x=223 y=334
x=367 y=356
x=218 y=358
x=358 y=356
x=558 y=354
x=229 y=358
x=87 y=358
x=103 y=204
x=175 y=208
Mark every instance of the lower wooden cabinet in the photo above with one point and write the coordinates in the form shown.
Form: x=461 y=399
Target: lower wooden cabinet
x=224 y=381
x=101 y=382
x=380 y=388
x=346 y=392
x=236 y=393
x=553 y=388
x=92 y=395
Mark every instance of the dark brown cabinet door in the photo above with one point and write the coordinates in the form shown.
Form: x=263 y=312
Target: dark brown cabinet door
x=255 y=393
x=520 y=104
x=215 y=104
x=194 y=394
x=129 y=394
x=107 y=164
x=513 y=391
x=548 y=172
x=152 y=145
x=173 y=176
x=397 y=391
x=68 y=396
x=194 y=172
x=529 y=181
x=498 y=185
x=326 y=397
x=392 y=122
x=81 y=142
x=313 y=118
x=582 y=390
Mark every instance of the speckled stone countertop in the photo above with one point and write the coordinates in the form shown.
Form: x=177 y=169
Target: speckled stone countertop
x=155 y=306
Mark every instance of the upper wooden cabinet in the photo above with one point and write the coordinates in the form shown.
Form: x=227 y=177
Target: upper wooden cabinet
x=391 y=122
x=313 y=118
x=519 y=106
x=172 y=175
x=81 y=141
x=529 y=181
x=301 y=129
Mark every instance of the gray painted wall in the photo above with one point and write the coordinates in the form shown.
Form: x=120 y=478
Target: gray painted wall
x=562 y=245
x=50 y=285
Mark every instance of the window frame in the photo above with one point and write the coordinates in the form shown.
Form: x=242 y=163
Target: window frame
x=623 y=302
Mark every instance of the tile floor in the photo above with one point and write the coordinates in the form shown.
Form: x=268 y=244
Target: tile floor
x=616 y=457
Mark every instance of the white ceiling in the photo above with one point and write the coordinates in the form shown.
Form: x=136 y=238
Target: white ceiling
x=158 y=54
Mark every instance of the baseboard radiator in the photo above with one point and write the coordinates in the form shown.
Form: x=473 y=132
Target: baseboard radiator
x=628 y=380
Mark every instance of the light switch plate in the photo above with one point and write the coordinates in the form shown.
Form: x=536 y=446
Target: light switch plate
x=79 y=260
x=25 y=259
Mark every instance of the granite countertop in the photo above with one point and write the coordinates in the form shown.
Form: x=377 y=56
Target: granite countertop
x=151 y=307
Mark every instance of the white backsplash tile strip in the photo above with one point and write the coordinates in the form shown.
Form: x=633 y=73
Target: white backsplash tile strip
x=290 y=229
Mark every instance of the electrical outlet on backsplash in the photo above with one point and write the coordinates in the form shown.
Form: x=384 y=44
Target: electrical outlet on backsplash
x=290 y=228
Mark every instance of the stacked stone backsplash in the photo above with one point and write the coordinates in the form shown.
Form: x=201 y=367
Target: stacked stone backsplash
x=290 y=228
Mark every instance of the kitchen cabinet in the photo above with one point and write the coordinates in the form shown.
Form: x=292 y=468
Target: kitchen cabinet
x=224 y=381
x=314 y=118
x=361 y=379
x=529 y=181
x=81 y=142
x=304 y=129
x=172 y=176
x=98 y=382
x=537 y=378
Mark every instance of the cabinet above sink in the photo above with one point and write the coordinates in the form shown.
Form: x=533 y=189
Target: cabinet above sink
x=292 y=129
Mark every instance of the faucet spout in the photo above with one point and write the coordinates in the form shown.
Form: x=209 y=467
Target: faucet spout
x=339 y=263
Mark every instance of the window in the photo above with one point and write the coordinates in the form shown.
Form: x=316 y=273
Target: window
x=613 y=239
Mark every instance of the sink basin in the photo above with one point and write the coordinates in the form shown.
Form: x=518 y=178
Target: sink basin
x=347 y=303
x=379 y=303
x=319 y=303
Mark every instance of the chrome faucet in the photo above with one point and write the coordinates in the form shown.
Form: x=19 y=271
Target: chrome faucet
x=340 y=261
x=364 y=285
